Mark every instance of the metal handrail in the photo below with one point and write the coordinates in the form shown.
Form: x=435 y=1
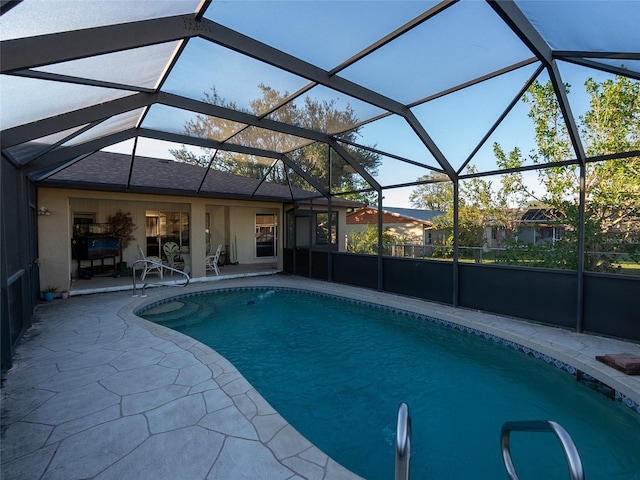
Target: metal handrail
x=576 y=471
x=163 y=266
x=403 y=442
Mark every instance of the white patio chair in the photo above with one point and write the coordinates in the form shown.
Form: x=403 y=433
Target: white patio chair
x=211 y=261
x=150 y=267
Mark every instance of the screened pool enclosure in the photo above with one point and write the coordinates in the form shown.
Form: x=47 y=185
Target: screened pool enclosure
x=479 y=110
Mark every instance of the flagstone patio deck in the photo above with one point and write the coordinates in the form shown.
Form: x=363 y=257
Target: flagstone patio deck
x=97 y=392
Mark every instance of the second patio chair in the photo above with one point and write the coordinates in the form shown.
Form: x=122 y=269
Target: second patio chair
x=211 y=262
x=172 y=252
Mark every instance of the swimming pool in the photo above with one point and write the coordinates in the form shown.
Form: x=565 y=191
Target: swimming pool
x=338 y=370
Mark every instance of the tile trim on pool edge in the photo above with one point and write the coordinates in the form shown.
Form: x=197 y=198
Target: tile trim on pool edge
x=583 y=377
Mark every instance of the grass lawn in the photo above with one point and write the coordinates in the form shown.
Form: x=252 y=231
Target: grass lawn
x=629 y=268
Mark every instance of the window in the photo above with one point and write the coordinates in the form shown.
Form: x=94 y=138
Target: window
x=266 y=225
x=326 y=233
x=162 y=227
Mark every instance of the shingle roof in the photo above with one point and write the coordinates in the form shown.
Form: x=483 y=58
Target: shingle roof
x=105 y=170
x=415 y=213
x=110 y=171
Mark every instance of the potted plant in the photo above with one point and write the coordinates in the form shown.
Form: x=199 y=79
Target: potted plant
x=49 y=293
x=122 y=227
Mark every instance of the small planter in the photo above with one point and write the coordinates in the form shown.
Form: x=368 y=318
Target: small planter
x=64 y=295
x=49 y=293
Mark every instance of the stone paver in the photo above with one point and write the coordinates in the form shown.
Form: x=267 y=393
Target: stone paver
x=96 y=392
x=76 y=456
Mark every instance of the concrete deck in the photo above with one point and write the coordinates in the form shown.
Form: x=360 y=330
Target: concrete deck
x=108 y=283
x=97 y=392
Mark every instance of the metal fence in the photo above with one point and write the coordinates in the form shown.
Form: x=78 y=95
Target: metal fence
x=603 y=261
x=599 y=303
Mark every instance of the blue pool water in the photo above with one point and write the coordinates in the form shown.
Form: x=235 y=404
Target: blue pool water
x=337 y=372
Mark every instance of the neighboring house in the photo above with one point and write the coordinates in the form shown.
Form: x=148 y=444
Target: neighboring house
x=415 y=227
x=537 y=225
x=532 y=225
x=169 y=202
x=496 y=234
x=411 y=226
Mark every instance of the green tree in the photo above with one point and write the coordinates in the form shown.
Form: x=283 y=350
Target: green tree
x=313 y=158
x=438 y=195
x=122 y=228
x=367 y=240
x=481 y=205
x=435 y=194
x=612 y=208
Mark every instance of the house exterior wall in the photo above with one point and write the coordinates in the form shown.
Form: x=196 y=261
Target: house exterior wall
x=411 y=230
x=243 y=232
x=230 y=220
x=342 y=229
x=495 y=237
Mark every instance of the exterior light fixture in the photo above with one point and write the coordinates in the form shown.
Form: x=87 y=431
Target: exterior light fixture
x=44 y=211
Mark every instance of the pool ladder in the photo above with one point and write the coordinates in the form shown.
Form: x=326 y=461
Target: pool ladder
x=165 y=267
x=576 y=471
x=403 y=444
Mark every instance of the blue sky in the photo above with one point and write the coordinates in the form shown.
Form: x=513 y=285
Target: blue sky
x=327 y=33
x=456 y=123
